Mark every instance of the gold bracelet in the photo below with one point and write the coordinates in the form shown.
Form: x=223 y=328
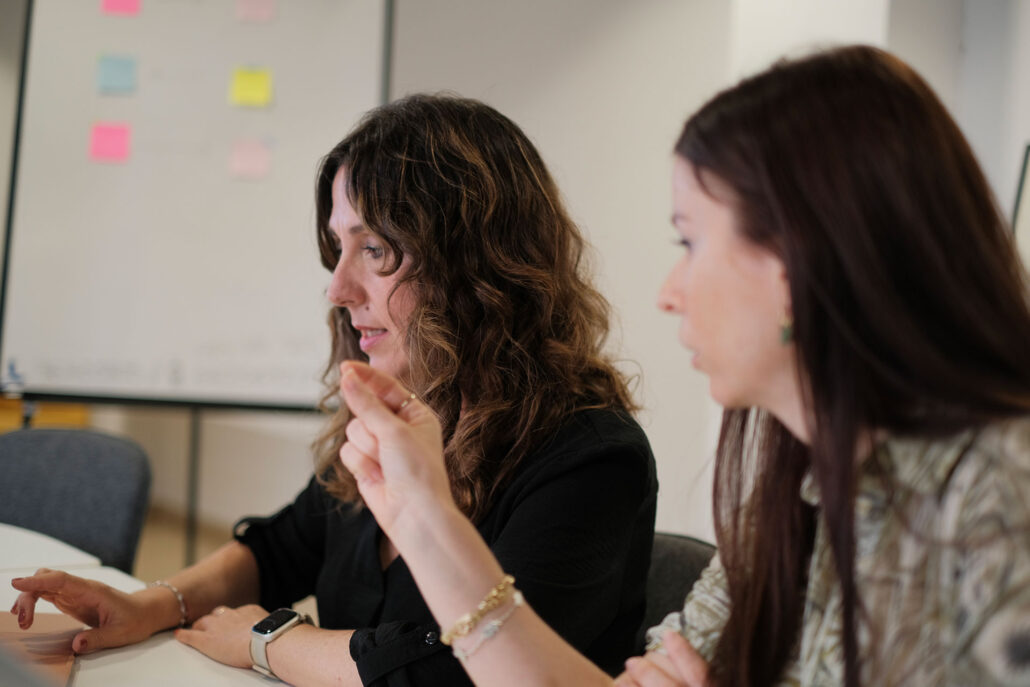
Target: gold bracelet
x=465 y=624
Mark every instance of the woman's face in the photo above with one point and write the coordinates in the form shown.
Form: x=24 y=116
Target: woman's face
x=357 y=285
x=732 y=297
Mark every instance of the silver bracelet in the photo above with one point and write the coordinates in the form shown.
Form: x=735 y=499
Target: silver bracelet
x=489 y=629
x=183 y=616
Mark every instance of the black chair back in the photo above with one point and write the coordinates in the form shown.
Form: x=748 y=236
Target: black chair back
x=676 y=563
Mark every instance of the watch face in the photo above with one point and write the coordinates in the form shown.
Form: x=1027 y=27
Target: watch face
x=274 y=621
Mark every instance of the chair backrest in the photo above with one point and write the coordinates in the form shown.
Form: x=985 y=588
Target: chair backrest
x=85 y=488
x=676 y=562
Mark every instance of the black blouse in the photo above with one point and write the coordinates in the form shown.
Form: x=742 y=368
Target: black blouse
x=574 y=527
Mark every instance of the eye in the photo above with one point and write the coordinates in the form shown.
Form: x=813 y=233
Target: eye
x=682 y=242
x=373 y=250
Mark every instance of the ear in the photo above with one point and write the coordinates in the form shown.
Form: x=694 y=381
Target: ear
x=784 y=282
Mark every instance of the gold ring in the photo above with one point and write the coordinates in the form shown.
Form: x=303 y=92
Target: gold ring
x=409 y=399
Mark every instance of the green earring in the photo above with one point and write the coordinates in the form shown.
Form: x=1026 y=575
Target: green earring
x=786 y=330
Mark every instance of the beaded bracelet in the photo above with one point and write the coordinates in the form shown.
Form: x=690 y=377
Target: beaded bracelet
x=183 y=616
x=466 y=623
x=490 y=629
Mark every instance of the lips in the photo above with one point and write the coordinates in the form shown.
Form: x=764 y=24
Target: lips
x=370 y=336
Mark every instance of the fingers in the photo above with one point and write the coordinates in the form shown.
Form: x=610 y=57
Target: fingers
x=687 y=661
x=646 y=674
x=364 y=469
x=45 y=580
x=625 y=680
x=365 y=404
x=383 y=386
x=88 y=641
x=44 y=583
x=189 y=637
x=358 y=434
x=681 y=665
x=25 y=608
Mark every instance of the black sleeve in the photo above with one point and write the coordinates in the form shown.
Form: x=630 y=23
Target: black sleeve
x=288 y=546
x=569 y=539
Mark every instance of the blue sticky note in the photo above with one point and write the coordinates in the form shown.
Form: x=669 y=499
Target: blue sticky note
x=116 y=74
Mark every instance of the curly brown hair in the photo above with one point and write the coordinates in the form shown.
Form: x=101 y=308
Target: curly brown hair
x=506 y=337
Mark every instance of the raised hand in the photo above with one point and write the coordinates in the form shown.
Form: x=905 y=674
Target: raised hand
x=116 y=618
x=394 y=446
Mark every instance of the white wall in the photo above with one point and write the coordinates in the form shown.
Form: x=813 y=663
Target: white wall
x=765 y=30
x=12 y=21
x=1017 y=126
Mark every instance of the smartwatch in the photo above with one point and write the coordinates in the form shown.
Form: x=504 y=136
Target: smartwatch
x=271 y=628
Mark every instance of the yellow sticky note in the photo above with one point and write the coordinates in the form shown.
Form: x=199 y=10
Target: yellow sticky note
x=251 y=87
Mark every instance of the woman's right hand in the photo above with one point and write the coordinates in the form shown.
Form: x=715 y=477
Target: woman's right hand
x=394 y=447
x=116 y=618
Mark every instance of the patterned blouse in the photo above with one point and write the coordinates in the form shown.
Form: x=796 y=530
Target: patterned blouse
x=943 y=571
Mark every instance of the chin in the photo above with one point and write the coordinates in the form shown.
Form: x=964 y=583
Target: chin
x=390 y=367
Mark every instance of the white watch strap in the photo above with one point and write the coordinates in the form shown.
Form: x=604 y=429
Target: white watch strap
x=259 y=645
x=259 y=656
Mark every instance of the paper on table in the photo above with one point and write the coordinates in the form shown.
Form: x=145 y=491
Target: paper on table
x=47 y=645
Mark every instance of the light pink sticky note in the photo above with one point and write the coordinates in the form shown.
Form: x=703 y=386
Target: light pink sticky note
x=255 y=11
x=250 y=159
x=130 y=7
x=109 y=142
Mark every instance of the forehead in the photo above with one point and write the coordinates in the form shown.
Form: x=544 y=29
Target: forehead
x=692 y=184
x=343 y=216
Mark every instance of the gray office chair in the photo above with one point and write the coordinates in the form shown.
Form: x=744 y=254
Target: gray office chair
x=676 y=562
x=85 y=488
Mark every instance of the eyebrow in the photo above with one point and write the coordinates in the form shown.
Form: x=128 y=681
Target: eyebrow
x=678 y=217
x=356 y=229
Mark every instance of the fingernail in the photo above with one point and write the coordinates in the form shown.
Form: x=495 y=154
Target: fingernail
x=82 y=646
x=21 y=618
x=17 y=579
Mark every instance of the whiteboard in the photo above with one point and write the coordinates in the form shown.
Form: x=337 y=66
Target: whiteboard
x=1021 y=219
x=188 y=271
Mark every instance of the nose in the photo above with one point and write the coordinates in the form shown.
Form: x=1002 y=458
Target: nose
x=670 y=299
x=344 y=288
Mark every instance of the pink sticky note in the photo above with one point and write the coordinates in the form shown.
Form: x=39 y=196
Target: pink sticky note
x=129 y=7
x=109 y=142
x=255 y=11
x=250 y=159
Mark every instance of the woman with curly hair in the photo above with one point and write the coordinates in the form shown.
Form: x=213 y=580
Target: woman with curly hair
x=855 y=298
x=455 y=268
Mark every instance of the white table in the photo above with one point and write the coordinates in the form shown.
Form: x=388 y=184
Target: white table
x=161 y=661
x=23 y=549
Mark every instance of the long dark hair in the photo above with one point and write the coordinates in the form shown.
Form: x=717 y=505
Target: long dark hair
x=507 y=333
x=910 y=310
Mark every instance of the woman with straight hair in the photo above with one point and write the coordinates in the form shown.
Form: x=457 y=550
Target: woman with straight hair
x=455 y=268
x=855 y=298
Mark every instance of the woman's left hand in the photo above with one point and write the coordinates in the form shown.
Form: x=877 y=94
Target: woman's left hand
x=682 y=666
x=224 y=634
